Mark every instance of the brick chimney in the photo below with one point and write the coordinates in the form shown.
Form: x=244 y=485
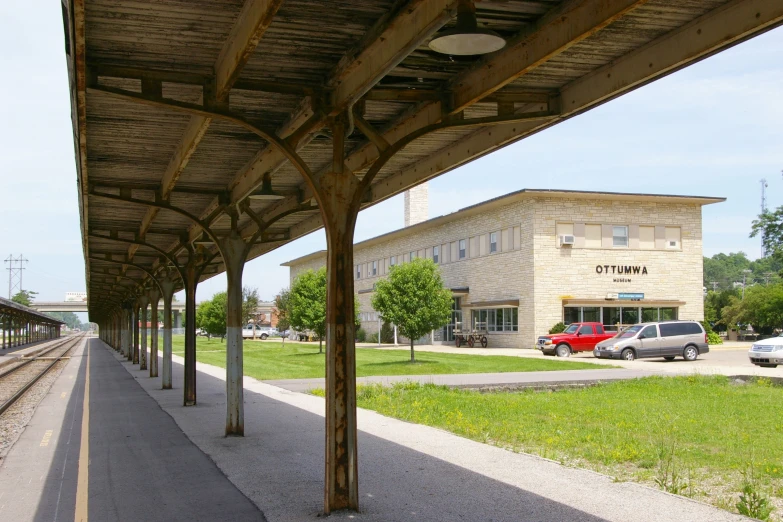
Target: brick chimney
x=416 y=205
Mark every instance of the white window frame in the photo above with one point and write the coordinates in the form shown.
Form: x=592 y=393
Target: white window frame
x=436 y=254
x=358 y=271
x=412 y=255
x=462 y=251
x=392 y=260
x=493 y=242
x=615 y=237
x=375 y=268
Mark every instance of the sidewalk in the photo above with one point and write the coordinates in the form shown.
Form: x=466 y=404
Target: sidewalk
x=407 y=471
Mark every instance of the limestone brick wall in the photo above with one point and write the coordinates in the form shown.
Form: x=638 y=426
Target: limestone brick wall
x=531 y=266
x=416 y=205
x=570 y=272
x=312 y=264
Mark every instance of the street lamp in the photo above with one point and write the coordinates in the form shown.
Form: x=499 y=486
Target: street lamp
x=744 y=274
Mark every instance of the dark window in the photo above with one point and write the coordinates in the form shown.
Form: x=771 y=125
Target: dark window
x=571 y=314
x=649 y=333
x=586 y=330
x=599 y=330
x=672 y=329
x=435 y=252
x=462 y=249
x=493 y=242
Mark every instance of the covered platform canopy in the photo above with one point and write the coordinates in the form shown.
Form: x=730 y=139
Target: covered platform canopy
x=22 y=325
x=208 y=133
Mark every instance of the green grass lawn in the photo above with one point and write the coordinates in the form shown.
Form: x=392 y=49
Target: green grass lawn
x=694 y=435
x=272 y=360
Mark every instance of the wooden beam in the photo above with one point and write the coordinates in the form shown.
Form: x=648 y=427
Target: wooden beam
x=254 y=19
x=560 y=29
x=387 y=44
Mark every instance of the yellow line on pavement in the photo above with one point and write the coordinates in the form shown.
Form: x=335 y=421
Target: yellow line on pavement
x=82 y=483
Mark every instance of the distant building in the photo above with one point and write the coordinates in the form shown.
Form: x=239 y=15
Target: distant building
x=524 y=261
x=75 y=296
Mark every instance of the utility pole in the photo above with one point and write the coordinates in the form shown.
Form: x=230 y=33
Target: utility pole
x=714 y=285
x=15 y=268
x=763 y=211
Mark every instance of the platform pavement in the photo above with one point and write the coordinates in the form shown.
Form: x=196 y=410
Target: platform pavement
x=141 y=465
x=406 y=471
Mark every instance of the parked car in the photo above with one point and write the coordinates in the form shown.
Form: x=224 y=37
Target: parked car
x=577 y=337
x=261 y=332
x=667 y=339
x=767 y=353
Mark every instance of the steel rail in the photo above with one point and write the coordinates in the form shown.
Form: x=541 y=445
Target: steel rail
x=15 y=397
x=59 y=343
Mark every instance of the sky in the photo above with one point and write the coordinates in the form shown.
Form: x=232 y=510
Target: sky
x=713 y=129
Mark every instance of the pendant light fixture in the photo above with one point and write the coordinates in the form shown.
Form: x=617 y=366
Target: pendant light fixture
x=467 y=39
x=265 y=193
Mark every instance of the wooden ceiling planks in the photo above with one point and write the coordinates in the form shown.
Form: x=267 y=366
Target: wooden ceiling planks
x=292 y=52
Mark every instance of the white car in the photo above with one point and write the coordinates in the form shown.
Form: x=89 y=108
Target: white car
x=262 y=332
x=767 y=353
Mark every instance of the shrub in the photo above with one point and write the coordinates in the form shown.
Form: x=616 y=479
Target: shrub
x=713 y=338
x=387 y=333
x=361 y=335
x=558 y=328
x=373 y=338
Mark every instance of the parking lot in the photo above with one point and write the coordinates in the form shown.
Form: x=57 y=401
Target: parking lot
x=730 y=358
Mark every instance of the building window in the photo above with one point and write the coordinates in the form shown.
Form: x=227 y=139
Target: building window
x=393 y=260
x=620 y=236
x=412 y=256
x=375 y=268
x=496 y=319
x=358 y=271
x=436 y=254
x=493 y=242
x=462 y=249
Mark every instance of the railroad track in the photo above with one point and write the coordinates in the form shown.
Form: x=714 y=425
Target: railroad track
x=16 y=381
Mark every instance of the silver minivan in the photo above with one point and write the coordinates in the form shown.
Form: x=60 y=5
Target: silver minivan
x=667 y=339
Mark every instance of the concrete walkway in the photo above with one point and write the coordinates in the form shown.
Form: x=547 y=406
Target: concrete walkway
x=141 y=465
x=407 y=471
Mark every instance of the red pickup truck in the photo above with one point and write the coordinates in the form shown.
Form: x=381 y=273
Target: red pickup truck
x=577 y=337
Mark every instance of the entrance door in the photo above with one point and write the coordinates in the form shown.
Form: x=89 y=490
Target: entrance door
x=456 y=318
x=650 y=342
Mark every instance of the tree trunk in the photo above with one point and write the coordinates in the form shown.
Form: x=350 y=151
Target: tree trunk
x=413 y=358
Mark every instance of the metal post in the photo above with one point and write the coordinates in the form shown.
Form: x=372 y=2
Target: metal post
x=337 y=193
x=144 y=302
x=124 y=331
x=135 y=356
x=168 y=293
x=234 y=250
x=191 y=282
x=154 y=297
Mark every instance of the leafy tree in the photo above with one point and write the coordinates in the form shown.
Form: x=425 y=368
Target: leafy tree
x=24 y=297
x=211 y=315
x=307 y=303
x=249 y=303
x=413 y=297
x=715 y=302
x=282 y=306
x=762 y=308
x=69 y=318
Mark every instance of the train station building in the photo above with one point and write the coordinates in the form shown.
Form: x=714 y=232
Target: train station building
x=522 y=262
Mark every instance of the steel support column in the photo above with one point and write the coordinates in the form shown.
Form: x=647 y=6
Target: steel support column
x=191 y=282
x=167 y=285
x=154 y=297
x=234 y=251
x=135 y=357
x=143 y=302
x=337 y=197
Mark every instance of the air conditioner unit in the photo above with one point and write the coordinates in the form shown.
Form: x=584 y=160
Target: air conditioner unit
x=612 y=296
x=673 y=244
x=566 y=239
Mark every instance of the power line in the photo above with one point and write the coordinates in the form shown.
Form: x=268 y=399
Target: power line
x=763 y=211
x=15 y=268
